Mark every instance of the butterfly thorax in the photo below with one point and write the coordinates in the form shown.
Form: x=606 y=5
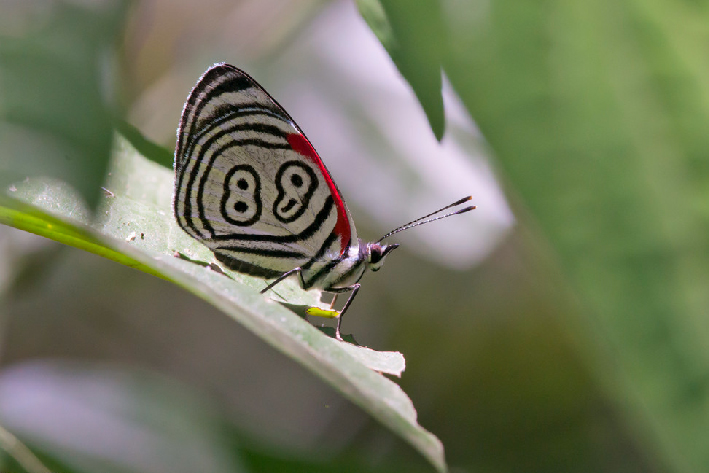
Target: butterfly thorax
x=345 y=270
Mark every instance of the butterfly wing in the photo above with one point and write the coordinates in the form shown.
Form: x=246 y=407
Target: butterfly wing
x=248 y=183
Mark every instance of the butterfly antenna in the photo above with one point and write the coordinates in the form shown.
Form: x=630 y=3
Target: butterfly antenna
x=426 y=219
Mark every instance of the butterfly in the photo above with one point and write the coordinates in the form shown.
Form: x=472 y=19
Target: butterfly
x=251 y=187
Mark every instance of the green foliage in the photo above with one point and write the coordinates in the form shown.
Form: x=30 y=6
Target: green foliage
x=595 y=112
x=134 y=226
x=411 y=37
x=57 y=92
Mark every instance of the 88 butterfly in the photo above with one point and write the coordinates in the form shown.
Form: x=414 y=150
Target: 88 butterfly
x=250 y=186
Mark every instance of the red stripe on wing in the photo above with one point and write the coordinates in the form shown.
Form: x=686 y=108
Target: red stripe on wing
x=301 y=145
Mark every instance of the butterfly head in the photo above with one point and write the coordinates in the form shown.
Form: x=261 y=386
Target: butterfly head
x=376 y=252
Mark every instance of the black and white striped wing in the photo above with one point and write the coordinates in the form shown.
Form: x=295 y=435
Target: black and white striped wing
x=248 y=183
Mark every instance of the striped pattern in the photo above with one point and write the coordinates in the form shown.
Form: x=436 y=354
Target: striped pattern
x=337 y=273
x=249 y=185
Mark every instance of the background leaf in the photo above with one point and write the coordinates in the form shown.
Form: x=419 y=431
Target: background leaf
x=57 y=91
x=594 y=111
x=406 y=33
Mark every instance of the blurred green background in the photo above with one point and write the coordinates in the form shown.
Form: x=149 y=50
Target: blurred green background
x=562 y=326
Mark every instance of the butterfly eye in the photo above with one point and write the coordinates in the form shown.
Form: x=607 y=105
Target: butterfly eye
x=377 y=253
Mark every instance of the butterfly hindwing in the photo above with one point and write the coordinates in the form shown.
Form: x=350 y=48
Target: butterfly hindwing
x=249 y=184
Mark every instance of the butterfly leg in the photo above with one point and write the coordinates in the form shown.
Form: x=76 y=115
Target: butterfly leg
x=332 y=303
x=279 y=279
x=354 y=289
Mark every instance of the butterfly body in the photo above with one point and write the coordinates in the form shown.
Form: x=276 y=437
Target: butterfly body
x=250 y=186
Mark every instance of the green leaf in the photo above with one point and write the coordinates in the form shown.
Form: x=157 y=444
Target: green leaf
x=19 y=456
x=151 y=150
x=412 y=37
x=597 y=113
x=135 y=226
x=55 y=97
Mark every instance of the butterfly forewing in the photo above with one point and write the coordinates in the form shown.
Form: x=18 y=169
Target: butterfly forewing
x=248 y=183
